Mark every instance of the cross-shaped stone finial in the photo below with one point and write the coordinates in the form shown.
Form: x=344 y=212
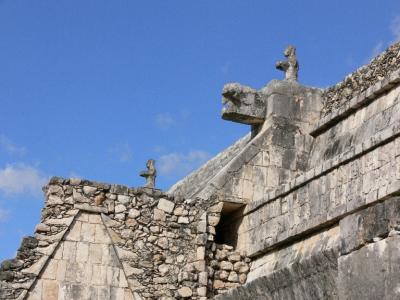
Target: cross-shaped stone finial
x=289 y=66
x=150 y=174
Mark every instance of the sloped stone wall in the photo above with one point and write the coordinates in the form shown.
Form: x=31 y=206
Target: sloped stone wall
x=84 y=265
x=100 y=241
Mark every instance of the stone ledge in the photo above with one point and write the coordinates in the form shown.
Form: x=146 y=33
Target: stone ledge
x=93 y=209
x=354 y=152
x=362 y=99
x=112 y=188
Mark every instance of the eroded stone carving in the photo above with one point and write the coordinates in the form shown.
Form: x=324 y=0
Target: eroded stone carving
x=242 y=104
x=150 y=174
x=289 y=66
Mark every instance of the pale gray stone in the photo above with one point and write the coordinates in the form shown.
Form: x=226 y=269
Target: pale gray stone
x=166 y=205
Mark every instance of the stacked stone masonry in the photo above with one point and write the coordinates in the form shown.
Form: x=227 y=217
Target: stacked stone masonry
x=99 y=241
x=306 y=206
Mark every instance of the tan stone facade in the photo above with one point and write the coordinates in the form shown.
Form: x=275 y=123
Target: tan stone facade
x=85 y=266
x=304 y=207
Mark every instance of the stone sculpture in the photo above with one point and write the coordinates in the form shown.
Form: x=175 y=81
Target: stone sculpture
x=304 y=207
x=289 y=66
x=242 y=104
x=150 y=174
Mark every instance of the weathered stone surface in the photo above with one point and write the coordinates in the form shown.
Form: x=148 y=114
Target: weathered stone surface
x=301 y=208
x=185 y=292
x=372 y=272
x=374 y=222
x=360 y=80
x=166 y=205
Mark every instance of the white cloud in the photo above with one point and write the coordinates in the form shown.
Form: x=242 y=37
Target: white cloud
x=180 y=163
x=10 y=147
x=164 y=120
x=21 y=179
x=395 y=28
x=378 y=49
x=123 y=152
x=4 y=213
x=380 y=46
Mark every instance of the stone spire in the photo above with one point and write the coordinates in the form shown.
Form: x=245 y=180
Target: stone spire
x=289 y=66
x=150 y=174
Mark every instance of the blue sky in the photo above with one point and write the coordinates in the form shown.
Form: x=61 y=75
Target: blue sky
x=94 y=88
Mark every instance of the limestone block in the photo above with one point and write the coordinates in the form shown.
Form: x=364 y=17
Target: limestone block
x=41 y=227
x=69 y=250
x=371 y=272
x=125 y=254
x=200 y=253
x=159 y=215
x=166 y=205
x=135 y=285
x=114 y=236
x=113 y=276
x=95 y=219
x=101 y=235
x=123 y=283
x=37 y=266
x=202 y=227
x=123 y=199
x=50 y=271
x=109 y=257
x=183 y=220
x=58 y=253
x=75 y=232
x=109 y=222
x=120 y=208
x=213 y=220
x=36 y=292
x=203 y=278
x=185 y=292
x=218 y=284
x=89 y=190
x=61 y=270
x=226 y=265
x=88 y=232
x=202 y=291
x=131 y=270
x=50 y=290
x=133 y=213
x=95 y=253
x=99 y=274
x=233 y=277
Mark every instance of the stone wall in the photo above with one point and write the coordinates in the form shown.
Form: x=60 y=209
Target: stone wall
x=357 y=258
x=84 y=265
x=100 y=241
x=229 y=268
x=321 y=200
x=303 y=208
x=359 y=81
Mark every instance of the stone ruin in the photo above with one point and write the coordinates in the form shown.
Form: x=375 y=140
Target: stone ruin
x=306 y=206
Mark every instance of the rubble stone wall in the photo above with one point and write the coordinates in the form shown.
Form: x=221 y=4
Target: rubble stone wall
x=359 y=81
x=100 y=241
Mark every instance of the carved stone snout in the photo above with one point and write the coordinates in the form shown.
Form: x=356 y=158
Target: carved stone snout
x=242 y=104
x=282 y=65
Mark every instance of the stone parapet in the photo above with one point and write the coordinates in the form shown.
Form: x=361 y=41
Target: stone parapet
x=364 y=98
x=362 y=79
